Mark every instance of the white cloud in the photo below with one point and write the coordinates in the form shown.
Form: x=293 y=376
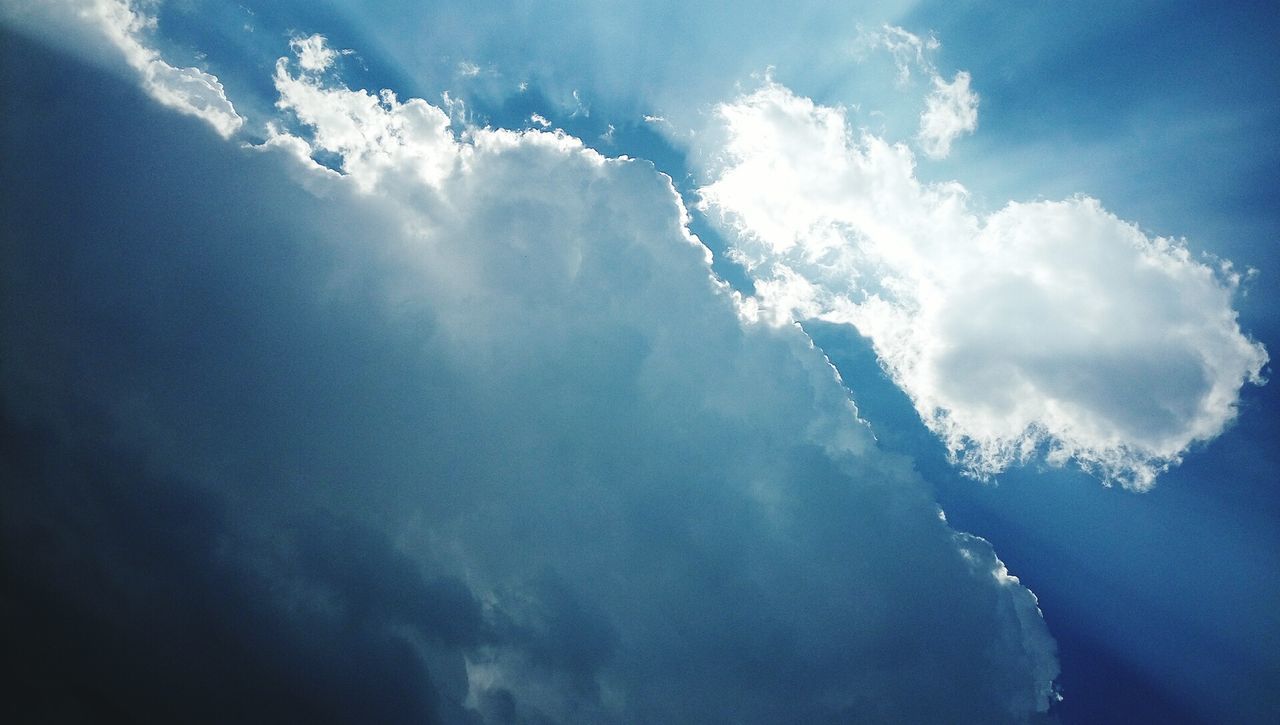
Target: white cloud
x=1048 y=328
x=313 y=52
x=187 y=90
x=373 y=134
x=951 y=110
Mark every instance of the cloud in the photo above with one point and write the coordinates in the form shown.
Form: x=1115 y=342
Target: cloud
x=1046 y=330
x=372 y=134
x=907 y=49
x=951 y=110
x=491 y=427
x=313 y=52
x=186 y=90
x=187 y=610
x=114 y=32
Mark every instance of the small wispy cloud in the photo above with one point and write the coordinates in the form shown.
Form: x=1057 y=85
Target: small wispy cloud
x=313 y=52
x=951 y=110
x=951 y=107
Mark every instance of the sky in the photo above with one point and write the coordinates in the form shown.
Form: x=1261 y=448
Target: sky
x=566 y=362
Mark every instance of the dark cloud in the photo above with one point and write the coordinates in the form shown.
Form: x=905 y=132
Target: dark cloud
x=131 y=596
x=501 y=452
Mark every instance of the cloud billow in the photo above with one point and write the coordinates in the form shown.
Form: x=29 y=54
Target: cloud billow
x=1050 y=330
x=469 y=420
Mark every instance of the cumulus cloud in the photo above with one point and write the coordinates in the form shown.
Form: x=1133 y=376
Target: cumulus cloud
x=481 y=415
x=372 y=134
x=951 y=110
x=1045 y=329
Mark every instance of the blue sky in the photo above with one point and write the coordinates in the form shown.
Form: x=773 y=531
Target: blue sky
x=615 y=366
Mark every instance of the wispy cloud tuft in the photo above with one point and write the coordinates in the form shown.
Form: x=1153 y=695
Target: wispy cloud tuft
x=951 y=110
x=313 y=52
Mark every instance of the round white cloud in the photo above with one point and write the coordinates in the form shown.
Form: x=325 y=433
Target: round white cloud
x=1047 y=328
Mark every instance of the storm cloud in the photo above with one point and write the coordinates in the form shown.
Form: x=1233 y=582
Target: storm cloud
x=477 y=440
